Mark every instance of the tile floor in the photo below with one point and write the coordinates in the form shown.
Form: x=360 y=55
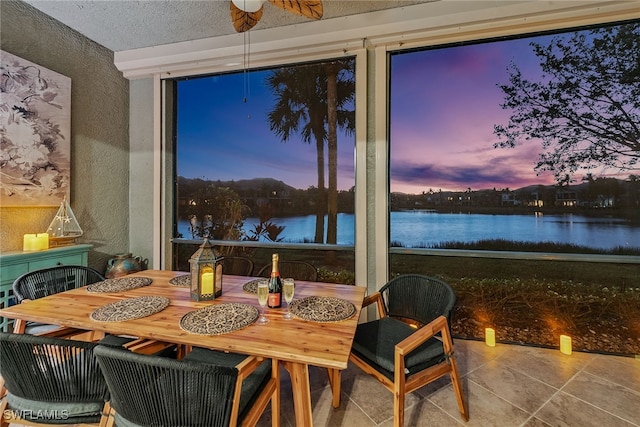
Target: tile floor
x=507 y=385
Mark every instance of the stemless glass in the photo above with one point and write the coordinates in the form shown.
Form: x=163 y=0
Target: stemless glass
x=263 y=295
x=288 y=288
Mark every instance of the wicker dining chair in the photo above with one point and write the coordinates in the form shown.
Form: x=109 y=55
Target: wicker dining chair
x=41 y=283
x=50 y=381
x=410 y=343
x=237 y=265
x=206 y=388
x=299 y=270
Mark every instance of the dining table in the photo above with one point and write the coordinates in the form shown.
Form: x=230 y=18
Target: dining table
x=297 y=343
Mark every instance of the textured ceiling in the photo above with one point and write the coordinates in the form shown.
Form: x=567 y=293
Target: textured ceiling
x=128 y=24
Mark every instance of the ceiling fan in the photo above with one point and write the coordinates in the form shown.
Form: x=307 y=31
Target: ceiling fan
x=245 y=14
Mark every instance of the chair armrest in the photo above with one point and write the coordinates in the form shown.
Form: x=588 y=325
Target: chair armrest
x=420 y=336
x=377 y=298
x=248 y=365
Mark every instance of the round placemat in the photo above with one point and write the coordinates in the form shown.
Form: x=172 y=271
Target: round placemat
x=119 y=284
x=219 y=319
x=184 y=280
x=129 y=309
x=251 y=286
x=322 y=309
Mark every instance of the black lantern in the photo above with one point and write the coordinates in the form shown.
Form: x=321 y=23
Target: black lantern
x=206 y=273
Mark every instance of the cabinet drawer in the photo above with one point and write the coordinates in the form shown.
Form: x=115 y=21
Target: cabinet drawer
x=63 y=260
x=8 y=273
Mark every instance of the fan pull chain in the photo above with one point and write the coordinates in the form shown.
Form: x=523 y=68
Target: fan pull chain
x=246 y=64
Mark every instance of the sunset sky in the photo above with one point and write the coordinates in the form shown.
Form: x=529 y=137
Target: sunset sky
x=444 y=104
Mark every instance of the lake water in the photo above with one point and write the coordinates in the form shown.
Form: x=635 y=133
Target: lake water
x=421 y=228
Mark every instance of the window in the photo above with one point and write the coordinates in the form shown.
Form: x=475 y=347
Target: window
x=267 y=156
x=522 y=145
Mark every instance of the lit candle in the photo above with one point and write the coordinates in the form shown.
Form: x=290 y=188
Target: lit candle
x=565 y=344
x=206 y=280
x=490 y=337
x=41 y=241
x=28 y=242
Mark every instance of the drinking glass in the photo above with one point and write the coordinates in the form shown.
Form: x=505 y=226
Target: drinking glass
x=288 y=287
x=263 y=295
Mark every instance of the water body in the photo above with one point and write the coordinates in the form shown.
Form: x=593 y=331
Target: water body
x=421 y=228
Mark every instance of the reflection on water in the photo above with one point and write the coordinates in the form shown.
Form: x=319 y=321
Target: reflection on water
x=423 y=228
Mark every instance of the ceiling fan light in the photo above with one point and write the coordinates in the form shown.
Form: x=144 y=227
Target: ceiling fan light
x=248 y=5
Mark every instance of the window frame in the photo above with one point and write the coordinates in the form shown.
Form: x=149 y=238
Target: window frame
x=169 y=167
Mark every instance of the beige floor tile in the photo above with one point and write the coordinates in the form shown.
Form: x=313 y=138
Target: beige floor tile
x=547 y=365
x=426 y=414
x=620 y=370
x=521 y=390
x=564 y=410
x=611 y=397
x=472 y=354
x=535 y=422
x=485 y=407
x=372 y=397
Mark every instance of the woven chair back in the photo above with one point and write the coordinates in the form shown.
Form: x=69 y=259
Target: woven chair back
x=51 y=369
x=417 y=297
x=48 y=281
x=154 y=390
x=238 y=266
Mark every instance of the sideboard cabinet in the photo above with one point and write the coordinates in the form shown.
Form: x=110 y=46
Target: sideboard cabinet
x=15 y=264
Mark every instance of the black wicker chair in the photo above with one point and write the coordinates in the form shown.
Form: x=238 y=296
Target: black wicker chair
x=410 y=344
x=206 y=388
x=50 y=381
x=299 y=270
x=47 y=281
x=41 y=283
x=237 y=265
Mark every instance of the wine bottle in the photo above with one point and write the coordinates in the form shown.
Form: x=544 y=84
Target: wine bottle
x=275 y=285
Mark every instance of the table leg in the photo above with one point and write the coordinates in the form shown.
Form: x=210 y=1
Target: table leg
x=334 y=381
x=299 y=373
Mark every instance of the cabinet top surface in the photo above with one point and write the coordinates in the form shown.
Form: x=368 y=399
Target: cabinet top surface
x=46 y=253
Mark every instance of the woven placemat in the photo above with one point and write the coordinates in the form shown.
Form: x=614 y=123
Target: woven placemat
x=251 y=286
x=130 y=308
x=219 y=319
x=322 y=309
x=184 y=280
x=119 y=284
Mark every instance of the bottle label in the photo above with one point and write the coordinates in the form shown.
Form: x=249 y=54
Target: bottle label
x=274 y=300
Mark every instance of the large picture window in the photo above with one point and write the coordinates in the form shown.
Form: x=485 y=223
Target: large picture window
x=268 y=155
x=530 y=145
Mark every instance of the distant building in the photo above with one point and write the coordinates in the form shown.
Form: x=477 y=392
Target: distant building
x=566 y=197
x=509 y=199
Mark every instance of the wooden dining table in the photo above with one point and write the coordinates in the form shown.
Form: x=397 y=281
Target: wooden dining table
x=296 y=343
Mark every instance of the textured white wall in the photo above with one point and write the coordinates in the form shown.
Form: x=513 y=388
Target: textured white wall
x=99 y=132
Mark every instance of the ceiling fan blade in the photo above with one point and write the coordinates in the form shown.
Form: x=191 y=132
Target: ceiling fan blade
x=244 y=21
x=309 y=8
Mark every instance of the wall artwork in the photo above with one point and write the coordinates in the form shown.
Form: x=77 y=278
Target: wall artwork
x=35 y=133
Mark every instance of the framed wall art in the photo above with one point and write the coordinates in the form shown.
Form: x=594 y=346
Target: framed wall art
x=35 y=133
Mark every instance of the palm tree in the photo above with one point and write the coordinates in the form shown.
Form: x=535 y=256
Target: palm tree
x=308 y=101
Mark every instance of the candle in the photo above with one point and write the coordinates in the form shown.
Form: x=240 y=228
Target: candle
x=565 y=344
x=206 y=281
x=28 y=242
x=41 y=241
x=490 y=337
